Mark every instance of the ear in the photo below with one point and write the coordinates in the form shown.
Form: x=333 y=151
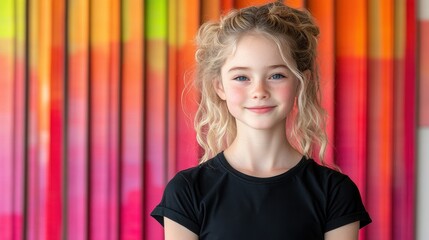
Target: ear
x=218 y=86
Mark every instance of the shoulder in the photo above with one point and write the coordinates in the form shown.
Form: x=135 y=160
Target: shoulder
x=194 y=177
x=329 y=178
x=183 y=194
x=333 y=186
x=343 y=201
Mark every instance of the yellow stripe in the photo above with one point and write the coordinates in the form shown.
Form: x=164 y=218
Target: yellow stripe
x=7 y=23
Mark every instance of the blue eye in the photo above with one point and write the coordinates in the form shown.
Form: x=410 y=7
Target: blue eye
x=277 y=76
x=241 y=78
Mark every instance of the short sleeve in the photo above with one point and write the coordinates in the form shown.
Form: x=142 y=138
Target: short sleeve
x=178 y=204
x=345 y=206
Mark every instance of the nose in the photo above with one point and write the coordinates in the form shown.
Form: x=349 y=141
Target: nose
x=260 y=90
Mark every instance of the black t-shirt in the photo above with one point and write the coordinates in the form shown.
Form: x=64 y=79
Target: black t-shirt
x=215 y=201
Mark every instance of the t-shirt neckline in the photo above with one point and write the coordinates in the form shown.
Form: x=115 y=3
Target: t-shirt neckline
x=224 y=163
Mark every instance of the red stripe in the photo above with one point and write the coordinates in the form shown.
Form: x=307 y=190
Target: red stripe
x=323 y=11
x=54 y=178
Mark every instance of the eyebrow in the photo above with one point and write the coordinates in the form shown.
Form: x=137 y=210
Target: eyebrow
x=270 y=67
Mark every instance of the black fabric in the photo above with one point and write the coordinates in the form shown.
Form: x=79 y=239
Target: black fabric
x=215 y=201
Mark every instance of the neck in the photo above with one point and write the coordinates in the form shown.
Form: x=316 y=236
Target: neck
x=262 y=151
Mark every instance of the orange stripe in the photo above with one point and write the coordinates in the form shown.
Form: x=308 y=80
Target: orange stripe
x=295 y=3
x=248 y=3
x=350 y=24
x=211 y=10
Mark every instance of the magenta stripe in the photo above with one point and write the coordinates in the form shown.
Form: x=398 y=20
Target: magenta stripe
x=350 y=110
x=409 y=121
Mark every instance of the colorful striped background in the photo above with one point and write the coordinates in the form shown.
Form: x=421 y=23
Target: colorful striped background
x=94 y=123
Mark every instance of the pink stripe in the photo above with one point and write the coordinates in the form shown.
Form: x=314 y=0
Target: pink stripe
x=36 y=214
x=155 y=133
x=18 y=112
x=113 y=180
x=77 y=147
x=6 y=137
x=99 y=144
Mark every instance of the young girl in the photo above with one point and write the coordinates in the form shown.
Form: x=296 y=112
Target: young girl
x=258 y=119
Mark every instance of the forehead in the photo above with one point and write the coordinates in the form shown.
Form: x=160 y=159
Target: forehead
x=258 y=49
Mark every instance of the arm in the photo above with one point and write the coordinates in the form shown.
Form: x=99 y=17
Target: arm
x=175 y=231
x=346 y=232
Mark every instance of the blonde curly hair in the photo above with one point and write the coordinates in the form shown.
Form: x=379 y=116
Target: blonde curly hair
x=295 y=34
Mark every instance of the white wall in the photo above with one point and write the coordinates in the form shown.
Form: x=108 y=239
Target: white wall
x=423 y=9
x=422 y=210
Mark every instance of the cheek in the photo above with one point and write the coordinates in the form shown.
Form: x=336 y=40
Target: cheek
x=287 y=94
x=235 y=95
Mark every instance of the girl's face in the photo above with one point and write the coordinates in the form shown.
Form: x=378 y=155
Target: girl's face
x=256 y=84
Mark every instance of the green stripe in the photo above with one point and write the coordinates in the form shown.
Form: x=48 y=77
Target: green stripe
x=156 y=19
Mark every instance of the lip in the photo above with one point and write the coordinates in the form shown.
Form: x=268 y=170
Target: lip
x=261 y=109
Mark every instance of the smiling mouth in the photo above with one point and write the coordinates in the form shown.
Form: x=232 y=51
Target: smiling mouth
x=263 y=109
